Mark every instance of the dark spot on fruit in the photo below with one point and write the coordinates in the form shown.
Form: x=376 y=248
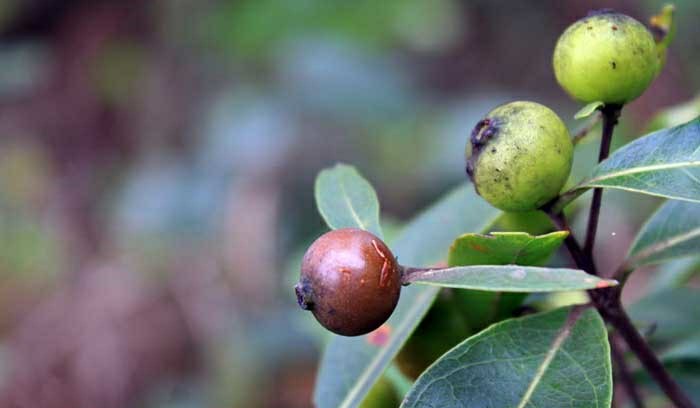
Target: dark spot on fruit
x=493 y=150
x=613 y=64
x=304 y=295
x=478 y=137
x=614 y=28
x=658 y=32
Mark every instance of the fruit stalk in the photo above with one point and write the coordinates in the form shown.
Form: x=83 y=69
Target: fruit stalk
x=410 y=273
x=610 y=113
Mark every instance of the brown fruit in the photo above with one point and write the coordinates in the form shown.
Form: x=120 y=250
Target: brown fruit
x=350 y=281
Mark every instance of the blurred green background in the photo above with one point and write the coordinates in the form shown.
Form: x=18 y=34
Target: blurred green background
x=157 y=161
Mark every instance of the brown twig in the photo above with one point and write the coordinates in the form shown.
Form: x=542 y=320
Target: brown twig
x=607 y=300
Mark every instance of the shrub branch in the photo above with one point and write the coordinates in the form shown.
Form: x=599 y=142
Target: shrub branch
x=607 y=300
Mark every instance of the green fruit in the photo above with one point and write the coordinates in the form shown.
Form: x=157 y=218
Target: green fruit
x=521 y=156
x=606 y=57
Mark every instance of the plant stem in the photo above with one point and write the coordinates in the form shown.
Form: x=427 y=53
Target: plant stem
x=618 y=318
x=610 y=115
x=623 y=372
x=608 y=303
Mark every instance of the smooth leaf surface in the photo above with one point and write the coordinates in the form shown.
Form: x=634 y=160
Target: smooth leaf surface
x=686 y=349
x=350 y=365
x=588 y=110
x=674 y=314
x=555 y=359
x=672 y=232
x=510 y=278
x=502 y=248
x=674 y=274
x=665 y=163
x=346 y=199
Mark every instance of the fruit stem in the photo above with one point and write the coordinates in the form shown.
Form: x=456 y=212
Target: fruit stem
x=410 y=274
x=610 y=113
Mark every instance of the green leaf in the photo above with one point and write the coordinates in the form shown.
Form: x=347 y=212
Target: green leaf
x=345 y=199
x=674 y=314
x=673 y=231
x=499 y=249
x=664 y=163
x=510 y=278
x=350 y=365
x=554 y=359
x=502 y=248
x=674 y=274
x=686 y=349
x=588 y=110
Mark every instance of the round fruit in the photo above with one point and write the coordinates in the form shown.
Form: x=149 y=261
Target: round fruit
x=350 y=281
x=607 y=57
x=521 y=156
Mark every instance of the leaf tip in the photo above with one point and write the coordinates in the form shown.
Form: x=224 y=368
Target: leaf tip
x=606 y=283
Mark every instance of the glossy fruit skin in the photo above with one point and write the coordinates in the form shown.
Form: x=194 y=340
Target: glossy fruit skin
x=350 y=281
x=521 y=156
x=607 y=57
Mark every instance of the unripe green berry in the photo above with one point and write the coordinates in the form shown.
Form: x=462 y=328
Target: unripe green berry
x=521 y=156
x=607 y=57
x=350 y=281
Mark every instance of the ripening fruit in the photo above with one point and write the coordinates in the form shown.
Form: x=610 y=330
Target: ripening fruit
x=521 y=156
x=350 y=281
x=607 y=57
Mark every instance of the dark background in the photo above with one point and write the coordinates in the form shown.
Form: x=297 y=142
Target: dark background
x=157 y=162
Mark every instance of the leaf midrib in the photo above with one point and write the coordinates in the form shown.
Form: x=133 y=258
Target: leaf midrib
x=346 y=198
x=642 y=169
x=557 y=344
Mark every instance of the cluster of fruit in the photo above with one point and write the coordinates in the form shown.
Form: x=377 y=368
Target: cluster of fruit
x=519 y=157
